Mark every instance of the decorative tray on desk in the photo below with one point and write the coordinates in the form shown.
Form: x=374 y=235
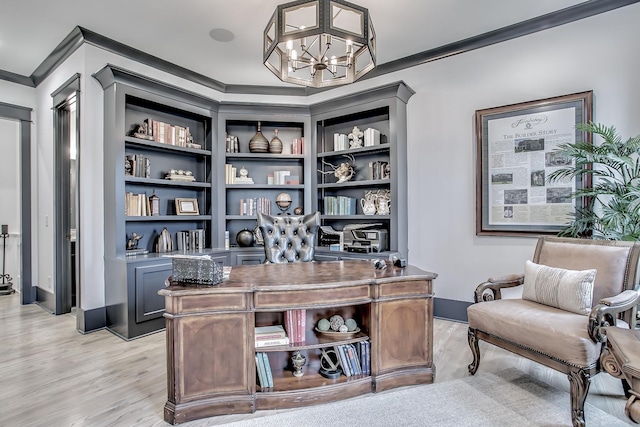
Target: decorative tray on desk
x=335 y=334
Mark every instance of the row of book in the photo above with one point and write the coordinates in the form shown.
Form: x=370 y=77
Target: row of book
x=371 y=137
x=255 y=205
x=379 y=170
x=166 y=133
x=297 y=145
x=137 y=165
x=355 y=359
x=295 y=322
x=232 y=144
x=340 y=142
x=190 y=240
x=263 y=368
x=137 y=205
x=231 y=176
x=339 y=205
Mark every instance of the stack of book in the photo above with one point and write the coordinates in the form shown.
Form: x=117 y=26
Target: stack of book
x=355 y=358
x=266 y=336
x=296 y=322
x=263 y=367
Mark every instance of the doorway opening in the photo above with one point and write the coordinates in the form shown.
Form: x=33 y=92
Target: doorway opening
x=66 y=188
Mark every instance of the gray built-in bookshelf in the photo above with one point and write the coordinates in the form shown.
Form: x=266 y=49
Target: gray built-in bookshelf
x=137 y=167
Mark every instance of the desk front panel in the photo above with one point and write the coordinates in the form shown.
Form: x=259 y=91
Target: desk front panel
x=307 y=296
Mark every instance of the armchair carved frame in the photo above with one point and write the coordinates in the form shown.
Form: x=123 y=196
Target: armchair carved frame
x=605 y=313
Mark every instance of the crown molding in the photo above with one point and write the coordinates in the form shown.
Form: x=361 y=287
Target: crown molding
x=80 y=35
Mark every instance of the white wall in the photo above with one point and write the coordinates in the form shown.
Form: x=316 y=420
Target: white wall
x=597 y=54
x=10 y=197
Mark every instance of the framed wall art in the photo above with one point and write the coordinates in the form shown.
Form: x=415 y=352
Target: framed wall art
x=187 y=207
x=516 y=151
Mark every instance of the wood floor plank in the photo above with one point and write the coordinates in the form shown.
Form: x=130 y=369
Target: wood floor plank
x=51 y=375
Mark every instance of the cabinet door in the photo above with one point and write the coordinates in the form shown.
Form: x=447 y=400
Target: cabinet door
x=250 y=259
x=148 y=280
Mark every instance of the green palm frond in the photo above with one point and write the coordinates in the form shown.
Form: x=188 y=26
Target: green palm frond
x=612 y=210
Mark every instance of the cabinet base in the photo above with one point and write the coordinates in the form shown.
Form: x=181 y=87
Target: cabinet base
x=404 y=377
x=183 y=412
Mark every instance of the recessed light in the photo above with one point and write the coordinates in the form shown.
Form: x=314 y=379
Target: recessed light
x=221 y=35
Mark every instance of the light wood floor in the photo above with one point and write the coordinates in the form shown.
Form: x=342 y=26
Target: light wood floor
x=50 y=375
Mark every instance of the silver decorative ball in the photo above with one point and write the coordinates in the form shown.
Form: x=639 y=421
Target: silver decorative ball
x=336 y=321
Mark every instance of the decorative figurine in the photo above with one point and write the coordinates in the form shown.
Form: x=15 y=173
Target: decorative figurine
x=298 y=361
x=154 y=202
x=142 y=132
x=132 y=243
x=329 y=364
x=355 y=138
x=344 y=172
x=283 y=200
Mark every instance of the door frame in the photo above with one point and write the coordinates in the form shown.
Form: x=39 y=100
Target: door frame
x=23 y=115
x=62 y=164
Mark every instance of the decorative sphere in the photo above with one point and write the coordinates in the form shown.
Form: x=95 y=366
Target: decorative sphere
x=283 y=200
x=245 y=238
x=343 y=328
x=351 y=324
x=298 y=211
x=323 y=325
x=336 y=321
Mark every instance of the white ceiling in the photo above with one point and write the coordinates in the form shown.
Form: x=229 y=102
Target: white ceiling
x=178 y=30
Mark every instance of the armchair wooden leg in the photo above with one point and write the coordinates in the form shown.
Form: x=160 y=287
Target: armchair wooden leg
x=475 y=350
x=579 y=382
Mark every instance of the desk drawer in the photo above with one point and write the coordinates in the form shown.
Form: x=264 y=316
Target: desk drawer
x=207 y=303
x=315 y=297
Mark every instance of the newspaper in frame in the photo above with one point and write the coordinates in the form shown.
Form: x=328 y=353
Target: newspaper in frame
x=517 y=155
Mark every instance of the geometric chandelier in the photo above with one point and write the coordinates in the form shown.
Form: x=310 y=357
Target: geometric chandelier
x=319 y=43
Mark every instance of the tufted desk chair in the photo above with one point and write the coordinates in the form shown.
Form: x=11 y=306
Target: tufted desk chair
x=289 y=238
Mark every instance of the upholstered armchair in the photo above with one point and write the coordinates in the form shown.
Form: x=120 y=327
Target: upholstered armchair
x=572 y=290
x=289 y=238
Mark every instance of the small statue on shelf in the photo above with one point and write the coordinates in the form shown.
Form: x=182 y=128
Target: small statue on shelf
x=355 y=138
x=142 y=132
x=132 y=243
x=343 y=172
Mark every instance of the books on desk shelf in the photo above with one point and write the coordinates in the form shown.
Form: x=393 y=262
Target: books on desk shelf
x=272 y=342
x=264 y=333
x=295 y=322
x=267 y=368
x=354 y=358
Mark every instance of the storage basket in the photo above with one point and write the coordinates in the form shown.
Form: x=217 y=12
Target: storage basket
x=196 y=270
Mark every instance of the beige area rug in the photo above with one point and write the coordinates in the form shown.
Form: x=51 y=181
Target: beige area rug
x=505 y=398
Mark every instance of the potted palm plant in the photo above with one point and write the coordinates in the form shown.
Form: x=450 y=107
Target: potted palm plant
x=611 y=205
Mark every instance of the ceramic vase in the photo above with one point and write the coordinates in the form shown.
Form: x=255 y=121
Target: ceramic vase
x=259 y=144
x=275 y=146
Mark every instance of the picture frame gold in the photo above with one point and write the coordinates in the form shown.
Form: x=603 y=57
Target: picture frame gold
x=515 y=153
x=186 y=206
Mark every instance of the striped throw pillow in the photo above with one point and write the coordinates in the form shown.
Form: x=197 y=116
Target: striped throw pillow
x=568 y=290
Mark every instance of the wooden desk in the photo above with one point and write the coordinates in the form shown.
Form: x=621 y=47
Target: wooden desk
x=210 y=335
